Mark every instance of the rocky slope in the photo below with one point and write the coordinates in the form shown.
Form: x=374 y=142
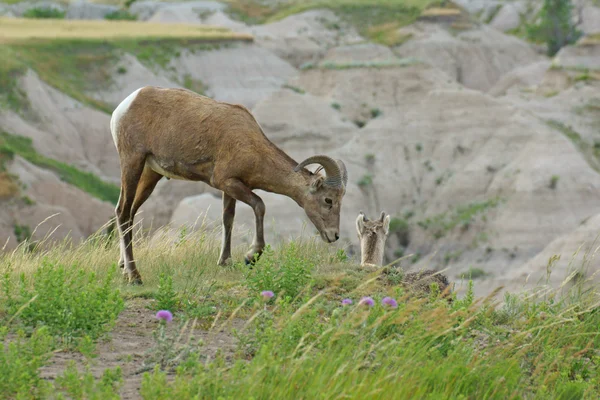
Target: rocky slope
x=481 y=148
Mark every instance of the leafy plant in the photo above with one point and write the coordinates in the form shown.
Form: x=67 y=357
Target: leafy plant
x=166 y=298
x=79 y=385
x=71 y=302
x=20 y=363
x=288 y=274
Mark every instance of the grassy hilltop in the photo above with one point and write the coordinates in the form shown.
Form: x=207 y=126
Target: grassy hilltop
x=66 y=308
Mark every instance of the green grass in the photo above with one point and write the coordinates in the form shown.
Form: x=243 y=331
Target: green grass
x=44 y=12
x=473 y=273
x=122 y=15
x=78 y=57
x=441 y=224
x=402 y=62
x=377 y=20
x=591 y=152
x=10 y=69
x=79 y=67
x=74 y=67
x=302 y=343
x=86 y=181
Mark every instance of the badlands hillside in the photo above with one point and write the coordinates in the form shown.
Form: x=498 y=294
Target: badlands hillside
x=483 y=148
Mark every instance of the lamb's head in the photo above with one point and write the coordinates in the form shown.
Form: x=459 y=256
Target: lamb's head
x=322 y=201
x=372 y=236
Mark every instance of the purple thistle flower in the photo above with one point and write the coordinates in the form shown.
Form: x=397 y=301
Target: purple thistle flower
x=165 y=315
x=367 y=301
x=267 y=294
x=390 y=302
x=346 y=302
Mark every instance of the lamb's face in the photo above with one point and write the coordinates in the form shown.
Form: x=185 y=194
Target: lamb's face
x=372 y=228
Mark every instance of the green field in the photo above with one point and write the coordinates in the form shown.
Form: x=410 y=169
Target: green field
x=68 y=307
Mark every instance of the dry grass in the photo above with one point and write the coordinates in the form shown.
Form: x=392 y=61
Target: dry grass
x=589 y=40
x=8 y=186
x=388 y=34
x=441 y=12
x=20 y=29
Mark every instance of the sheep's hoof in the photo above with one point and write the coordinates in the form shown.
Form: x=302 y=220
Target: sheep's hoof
x=133 y=278
x=226 y=262
x=136 y=282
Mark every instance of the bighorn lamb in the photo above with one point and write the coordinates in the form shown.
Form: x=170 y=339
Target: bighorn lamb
x=373 y=235
x=179 y=134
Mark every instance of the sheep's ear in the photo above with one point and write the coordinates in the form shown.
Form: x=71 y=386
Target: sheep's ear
x=316 y=184
x=386 y=224
x=382 y=216
x=360 y=223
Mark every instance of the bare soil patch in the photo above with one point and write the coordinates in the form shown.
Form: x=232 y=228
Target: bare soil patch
x=127 y=344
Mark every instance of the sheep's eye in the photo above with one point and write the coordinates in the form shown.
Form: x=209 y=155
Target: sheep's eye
x=329 y=201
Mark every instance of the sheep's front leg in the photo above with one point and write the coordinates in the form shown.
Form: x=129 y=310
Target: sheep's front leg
x=237 y=190
x=228 y=216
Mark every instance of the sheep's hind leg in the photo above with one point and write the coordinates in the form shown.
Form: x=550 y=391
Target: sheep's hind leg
x=239 y=191
x=131 y=172
x=228 y=217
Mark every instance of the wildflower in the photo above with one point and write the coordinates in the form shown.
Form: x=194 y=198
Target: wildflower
x=164 y=315
x=390 y=302
x=346 y=302
x=367 y=301
x=267 y=294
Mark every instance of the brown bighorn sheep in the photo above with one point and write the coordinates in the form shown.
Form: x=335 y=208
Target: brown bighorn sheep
x=373 y=235
x=179 y=134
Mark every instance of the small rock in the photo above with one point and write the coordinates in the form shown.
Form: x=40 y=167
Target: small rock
x=509 y=17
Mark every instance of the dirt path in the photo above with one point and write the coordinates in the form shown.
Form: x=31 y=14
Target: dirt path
x=128 y=343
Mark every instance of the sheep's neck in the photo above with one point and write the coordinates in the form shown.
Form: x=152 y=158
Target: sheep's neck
x=280 y=177
x=371 y=248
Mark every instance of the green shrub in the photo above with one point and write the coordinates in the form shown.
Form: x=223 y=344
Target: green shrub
x=473 y=273
x=79 y=385
x=288 y=273
x=120 y=15
x=365 y=180
x=167 y=298
x=20 y=363
x=555 y=26
x=70 y=301
x=44 y=12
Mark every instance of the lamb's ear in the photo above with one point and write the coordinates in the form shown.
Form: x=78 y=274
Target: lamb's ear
x=386 y=224
x=360 y=223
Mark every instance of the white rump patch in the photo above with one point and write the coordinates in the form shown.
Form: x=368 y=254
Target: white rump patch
x=119 y=112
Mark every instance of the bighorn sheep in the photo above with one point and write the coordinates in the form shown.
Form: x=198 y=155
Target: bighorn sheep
x=179 y=134
x=373 y=235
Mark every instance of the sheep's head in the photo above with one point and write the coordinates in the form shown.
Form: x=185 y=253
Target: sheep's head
x=372 y=235
x=323 y=198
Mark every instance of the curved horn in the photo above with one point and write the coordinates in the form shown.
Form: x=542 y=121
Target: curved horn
x=344 y=172
x=331 y=167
